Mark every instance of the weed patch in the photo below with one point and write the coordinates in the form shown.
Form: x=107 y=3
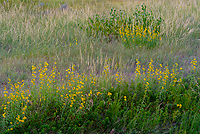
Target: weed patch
x=81 y=103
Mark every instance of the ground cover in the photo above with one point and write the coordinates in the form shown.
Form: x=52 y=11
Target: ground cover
x=114 y=68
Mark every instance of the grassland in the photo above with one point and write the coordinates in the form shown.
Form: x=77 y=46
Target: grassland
x=57 y=78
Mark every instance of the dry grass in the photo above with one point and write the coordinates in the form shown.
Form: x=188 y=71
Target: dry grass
x=30 y=39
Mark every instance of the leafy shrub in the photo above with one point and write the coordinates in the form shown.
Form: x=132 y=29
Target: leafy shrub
x=107 y=27
x=145 y=30
x=144 y=18
x=142 y=28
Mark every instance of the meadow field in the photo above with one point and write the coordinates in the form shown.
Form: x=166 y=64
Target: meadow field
x=100 y=66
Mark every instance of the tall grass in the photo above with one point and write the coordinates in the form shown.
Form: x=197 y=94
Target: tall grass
x=119 y=102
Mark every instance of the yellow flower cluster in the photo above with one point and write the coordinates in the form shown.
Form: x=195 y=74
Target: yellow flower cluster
x=75 y=86
x=162 y=74
x=10 y=129
x=118 y=78
x=98 y=93
x=179 y=105
x=69 y=91
x=128 y=34
x=124 y=98
x=106 y=71
x=194 y=64
x=93 y=80
x=19 y=120
x=137 y=70
x=15 y=103
x=109 y=93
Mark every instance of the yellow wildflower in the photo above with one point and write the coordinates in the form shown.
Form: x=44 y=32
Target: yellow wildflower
x=109 y=93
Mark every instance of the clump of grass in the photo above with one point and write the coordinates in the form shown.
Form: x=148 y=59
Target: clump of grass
x=156 y=98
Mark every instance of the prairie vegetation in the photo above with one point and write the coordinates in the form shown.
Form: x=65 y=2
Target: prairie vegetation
x=106 y=66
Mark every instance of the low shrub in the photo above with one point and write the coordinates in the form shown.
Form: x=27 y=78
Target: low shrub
x=145 y=30
x=107 y=26
x=142 y=28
